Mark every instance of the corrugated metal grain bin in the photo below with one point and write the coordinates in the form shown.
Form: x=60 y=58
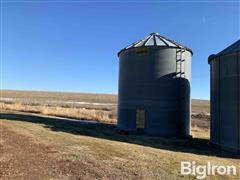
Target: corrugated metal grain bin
x=154 y=87
x=225 y=81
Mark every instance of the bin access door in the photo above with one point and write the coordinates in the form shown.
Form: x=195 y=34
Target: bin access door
x=140 y=118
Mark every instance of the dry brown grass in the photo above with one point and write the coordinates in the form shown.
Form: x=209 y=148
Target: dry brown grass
x=103 y=115
x=76 y=113
x=43 y=96
x=58 y=150
x=94 y=151
x=57 y=98
x=200 y=106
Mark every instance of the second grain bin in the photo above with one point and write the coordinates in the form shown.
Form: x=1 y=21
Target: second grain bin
x=225 y=98
x=154 y=87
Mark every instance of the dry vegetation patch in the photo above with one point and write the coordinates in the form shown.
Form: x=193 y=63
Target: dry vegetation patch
x=43 y=147
x=33 y=150
x=76 y=113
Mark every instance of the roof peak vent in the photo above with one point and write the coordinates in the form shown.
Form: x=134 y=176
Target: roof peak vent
x=154 y=33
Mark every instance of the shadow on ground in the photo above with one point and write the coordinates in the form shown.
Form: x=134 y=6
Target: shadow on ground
x=108 y=131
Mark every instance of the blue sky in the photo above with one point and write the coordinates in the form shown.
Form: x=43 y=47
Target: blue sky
x=73 y=45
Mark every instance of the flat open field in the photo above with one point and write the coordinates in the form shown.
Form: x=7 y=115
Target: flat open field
x=78 y=99
x=39 y=141
x=101 y=107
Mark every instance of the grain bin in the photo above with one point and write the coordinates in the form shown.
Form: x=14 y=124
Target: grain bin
x=154 y=87
x=225 y=81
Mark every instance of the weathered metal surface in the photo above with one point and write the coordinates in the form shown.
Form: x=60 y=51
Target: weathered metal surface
x=225 y=81
x=149 y=80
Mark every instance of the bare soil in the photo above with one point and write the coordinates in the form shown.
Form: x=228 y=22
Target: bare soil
x=33 y=146
x=23 y=159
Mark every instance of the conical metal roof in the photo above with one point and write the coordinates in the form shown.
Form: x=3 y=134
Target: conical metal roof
x=235 y=47
x=154 y=39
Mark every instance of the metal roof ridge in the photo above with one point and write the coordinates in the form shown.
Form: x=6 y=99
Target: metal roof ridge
x=152 y=36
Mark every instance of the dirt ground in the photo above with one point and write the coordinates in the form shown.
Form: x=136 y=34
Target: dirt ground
x=23 y=158
x=37 y=146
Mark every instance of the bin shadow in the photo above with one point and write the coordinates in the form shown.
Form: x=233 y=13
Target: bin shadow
x=108 y=131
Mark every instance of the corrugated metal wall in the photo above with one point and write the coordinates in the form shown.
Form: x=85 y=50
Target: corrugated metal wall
x=148 y=81
x=225 y=101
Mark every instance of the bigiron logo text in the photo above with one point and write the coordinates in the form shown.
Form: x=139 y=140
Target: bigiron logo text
x=209 y=169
